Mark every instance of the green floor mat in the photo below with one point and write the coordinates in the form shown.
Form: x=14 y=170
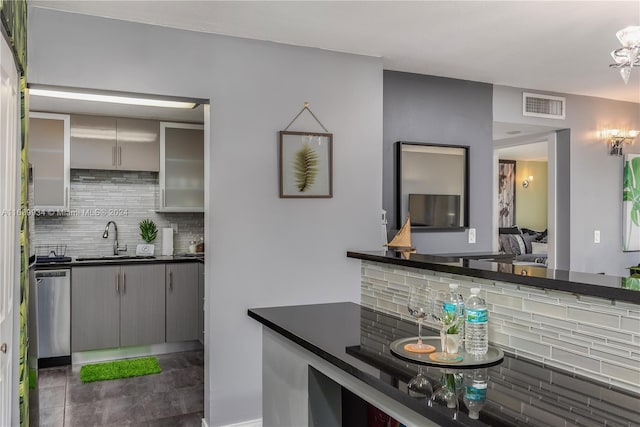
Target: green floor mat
x=119 y=369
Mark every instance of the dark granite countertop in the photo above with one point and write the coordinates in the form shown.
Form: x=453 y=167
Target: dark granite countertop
x=162 y=259
x=356 y=339
x=589 y=284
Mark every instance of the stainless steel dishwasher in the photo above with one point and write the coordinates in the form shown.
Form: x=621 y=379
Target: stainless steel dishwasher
x=53 y=296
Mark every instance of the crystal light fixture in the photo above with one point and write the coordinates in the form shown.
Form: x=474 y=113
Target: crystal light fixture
x=628 y=56
x=617 y=137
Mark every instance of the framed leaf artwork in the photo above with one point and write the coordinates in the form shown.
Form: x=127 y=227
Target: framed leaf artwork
x=306 y=165
x=631 y=203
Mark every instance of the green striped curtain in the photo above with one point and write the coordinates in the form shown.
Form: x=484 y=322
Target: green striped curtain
x=13 y=14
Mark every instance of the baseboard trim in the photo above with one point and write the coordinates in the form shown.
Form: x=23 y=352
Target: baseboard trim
x=249 y=423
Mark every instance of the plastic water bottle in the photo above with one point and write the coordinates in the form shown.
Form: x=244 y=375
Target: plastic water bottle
x=476 y=325
x=458 y=328
x=475 y=391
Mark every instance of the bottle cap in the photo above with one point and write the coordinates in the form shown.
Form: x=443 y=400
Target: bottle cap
x=453 y=286
x=475 y=291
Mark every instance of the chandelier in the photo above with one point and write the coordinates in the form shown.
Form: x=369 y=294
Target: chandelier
x=628 y=56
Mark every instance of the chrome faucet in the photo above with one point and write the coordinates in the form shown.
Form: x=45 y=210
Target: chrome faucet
x=116 y=248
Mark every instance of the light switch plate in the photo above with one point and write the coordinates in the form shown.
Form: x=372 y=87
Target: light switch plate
x=596 y=236
x=472 y=235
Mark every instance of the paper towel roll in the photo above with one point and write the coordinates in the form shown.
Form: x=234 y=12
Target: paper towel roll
x=167 y=241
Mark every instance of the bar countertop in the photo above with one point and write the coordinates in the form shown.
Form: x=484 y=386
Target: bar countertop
x=356 y=339
x=588 y=284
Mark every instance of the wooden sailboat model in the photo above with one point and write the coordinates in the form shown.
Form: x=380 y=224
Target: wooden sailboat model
x=401 y=242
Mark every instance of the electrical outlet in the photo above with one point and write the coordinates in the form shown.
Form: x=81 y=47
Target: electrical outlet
x=472 y=235
x=175 y=227
x=596 y=236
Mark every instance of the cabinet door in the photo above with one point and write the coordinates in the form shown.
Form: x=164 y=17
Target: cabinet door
x=201 y=301
x=95 y=308
x=142 y=299
x=182 y=302
x=49 y=158
x=93 y=142
x=181 y=167
x=138 y=145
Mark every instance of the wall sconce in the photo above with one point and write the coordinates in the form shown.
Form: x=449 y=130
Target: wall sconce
x=616 y=137
x=526 y=182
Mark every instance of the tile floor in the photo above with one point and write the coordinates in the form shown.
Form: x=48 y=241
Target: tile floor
x=175 y=397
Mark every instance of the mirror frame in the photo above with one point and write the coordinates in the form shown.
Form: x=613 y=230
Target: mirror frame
x=465 y=196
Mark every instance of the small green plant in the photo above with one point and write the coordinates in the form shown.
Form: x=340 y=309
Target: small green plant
x=305 y=168
x=148 y=230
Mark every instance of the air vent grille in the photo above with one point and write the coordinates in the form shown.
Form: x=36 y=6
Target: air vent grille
x=537 y=105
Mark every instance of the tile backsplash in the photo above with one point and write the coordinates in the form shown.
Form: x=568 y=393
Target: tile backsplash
x=594 y=337
x=125 y=197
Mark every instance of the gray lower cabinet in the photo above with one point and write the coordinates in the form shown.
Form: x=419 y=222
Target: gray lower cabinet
x=182 y=302
x=95 y=308
x=142 y=305
x=117 y=306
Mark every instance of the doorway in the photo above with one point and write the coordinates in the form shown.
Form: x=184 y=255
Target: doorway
x=525 y=198
x=129 y=195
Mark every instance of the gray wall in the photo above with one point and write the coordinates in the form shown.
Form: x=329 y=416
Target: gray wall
x=595 y=176
x=420 y=108
x=261 y=250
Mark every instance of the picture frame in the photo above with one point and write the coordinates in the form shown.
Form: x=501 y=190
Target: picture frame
x=506 y=193
x=306 y=165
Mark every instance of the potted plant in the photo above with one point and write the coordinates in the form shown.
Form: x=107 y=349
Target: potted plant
x=148 y=233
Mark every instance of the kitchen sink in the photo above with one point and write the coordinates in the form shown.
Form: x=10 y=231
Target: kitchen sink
x=114 y=257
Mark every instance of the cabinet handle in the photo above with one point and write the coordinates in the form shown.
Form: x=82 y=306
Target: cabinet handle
x=117 y=282
x=120 y=156
x=163 y=198
x=124 y=283
x=113 y=155
x=171 y=280
x=67 y=197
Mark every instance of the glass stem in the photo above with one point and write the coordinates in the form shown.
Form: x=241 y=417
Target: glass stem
x=419 y=331
x=446 y=345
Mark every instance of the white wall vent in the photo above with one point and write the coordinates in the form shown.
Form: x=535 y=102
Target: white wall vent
x=537 y=105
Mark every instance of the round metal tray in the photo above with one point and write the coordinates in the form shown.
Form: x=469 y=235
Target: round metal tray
x=493 y=357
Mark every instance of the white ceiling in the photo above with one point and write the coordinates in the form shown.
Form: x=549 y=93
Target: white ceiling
x=560 y=46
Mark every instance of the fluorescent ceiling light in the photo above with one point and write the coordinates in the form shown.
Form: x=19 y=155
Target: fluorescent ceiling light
x=114 y=99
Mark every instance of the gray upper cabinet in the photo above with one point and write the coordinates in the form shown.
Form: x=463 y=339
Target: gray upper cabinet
x=182 y=302
x=138 y=145
x=181 y=167
x=49 y=158
x=115 y=143
x=95 y=308
x=142 y=314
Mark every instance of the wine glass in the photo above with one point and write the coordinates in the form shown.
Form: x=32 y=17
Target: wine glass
x=445 y=311
x=420 y=386
x=419 y=305
x=446 y=395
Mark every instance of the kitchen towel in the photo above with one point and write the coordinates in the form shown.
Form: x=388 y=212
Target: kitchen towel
x=167 y=241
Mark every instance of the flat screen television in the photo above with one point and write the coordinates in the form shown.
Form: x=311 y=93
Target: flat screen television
x=434 y=210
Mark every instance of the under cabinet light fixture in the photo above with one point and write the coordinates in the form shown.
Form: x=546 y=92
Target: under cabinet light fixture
x=110 y=98
x=617 y=137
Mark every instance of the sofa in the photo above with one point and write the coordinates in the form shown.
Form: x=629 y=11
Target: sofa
x=526 y=245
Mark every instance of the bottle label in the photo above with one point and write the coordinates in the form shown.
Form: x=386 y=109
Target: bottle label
x=477 y=316
x=476 y=393
x=450 y=308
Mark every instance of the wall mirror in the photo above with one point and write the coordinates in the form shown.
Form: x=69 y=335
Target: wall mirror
x=433 y=186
